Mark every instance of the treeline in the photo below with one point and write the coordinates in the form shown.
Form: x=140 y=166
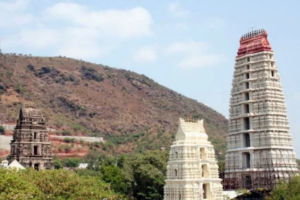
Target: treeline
x=136 y=176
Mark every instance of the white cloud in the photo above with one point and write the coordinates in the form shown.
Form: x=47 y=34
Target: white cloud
x=75 y=30
x=123 y=23
x=146 y=54
x=177 y=9
x=12 y=13
x=193 y=55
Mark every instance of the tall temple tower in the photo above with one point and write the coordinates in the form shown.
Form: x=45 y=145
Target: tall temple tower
x=30 y=145
x=260 y=150
x=192 y=170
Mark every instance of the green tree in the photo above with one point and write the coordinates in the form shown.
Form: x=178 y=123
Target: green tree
x=57 y=163
x=71 y=162
x=287 y=190
x=145 y=174
x=113 y=175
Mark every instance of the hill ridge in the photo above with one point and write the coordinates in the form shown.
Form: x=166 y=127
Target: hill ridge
x=128 y=109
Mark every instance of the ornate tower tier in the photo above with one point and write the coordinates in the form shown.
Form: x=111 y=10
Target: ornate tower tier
x=192 y=170
x=30 y=145
x=260 y=150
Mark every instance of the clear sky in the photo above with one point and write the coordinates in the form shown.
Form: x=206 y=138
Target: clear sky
x=188 y=46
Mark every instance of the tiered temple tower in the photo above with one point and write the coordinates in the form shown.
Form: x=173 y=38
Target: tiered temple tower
x=192 y=170
x=30 y=145
x=260 y=150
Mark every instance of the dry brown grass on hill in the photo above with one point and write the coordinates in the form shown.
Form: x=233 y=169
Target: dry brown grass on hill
x=124 y=107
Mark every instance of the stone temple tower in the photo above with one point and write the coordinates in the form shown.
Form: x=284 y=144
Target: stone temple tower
x=260 y=150
x=192 y=170
x=30 y=145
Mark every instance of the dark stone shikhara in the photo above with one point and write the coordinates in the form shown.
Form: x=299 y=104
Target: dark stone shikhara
x=30 y=145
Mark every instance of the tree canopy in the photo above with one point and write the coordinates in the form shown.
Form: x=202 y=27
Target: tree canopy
x=52 y=185
x=287 y=190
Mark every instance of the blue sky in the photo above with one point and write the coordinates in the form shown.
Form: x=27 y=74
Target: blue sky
x=188 y=46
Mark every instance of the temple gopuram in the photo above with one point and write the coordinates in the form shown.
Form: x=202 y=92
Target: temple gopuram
x=260 y=152
x=192 y=170
x=30 y=145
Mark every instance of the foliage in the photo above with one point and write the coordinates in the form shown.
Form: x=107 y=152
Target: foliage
x=57 y=163
x=3 y=88
x=298 y=162
x=139 y=175
x=145 y=174
x=66 y=133
x=287 y=190
x=42 y=71
x=71 y=162
x=2 y=130
x=69 y=140
x=52 y=185
x=66 y=148
x=91 y=74
x=31 y=67
x=113 y=175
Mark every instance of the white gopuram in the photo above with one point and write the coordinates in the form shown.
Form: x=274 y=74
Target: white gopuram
x=192 y=170
x=259 y=145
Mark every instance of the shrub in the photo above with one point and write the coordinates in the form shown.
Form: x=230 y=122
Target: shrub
x=3 y=87
x=2 y=130
x=31 y=67
x=66 y=148
x=46 y=70
x=66 y=133
x=91 y=74
x=69 y=140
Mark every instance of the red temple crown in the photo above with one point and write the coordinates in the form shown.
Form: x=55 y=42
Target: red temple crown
x=254 y=42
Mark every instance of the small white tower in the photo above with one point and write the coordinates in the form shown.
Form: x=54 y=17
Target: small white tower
x=192 y=170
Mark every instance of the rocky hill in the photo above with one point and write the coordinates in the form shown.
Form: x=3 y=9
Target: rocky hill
x=131 y=111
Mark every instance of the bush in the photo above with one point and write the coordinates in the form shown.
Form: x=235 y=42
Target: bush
x=67 y=148
x=69 y=140
x=31 y=67
x=2 y=130
x=3 y=87
x=46 y=70
x=66 y=133
x=91 y=74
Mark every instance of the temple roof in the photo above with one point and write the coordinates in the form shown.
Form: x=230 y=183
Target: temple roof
x=254 y=42
x=191 y=130
x=30 y=110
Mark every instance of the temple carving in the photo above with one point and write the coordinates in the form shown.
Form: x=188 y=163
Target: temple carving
x=30 y=145
x=192 y=170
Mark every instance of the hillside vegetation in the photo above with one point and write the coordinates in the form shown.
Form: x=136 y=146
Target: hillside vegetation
x=131 y=111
